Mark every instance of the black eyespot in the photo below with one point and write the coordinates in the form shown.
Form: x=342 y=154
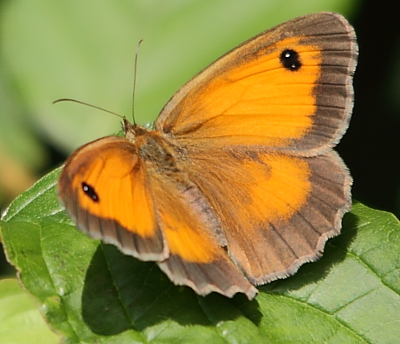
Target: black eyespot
x=290 y=59
x=89 y=190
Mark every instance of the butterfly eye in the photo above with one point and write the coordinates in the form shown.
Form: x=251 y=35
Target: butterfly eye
x=290 y=59
x=89 y=190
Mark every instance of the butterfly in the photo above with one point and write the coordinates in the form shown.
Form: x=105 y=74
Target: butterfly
x=238 y=184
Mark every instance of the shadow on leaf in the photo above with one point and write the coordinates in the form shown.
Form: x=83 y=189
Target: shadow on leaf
x=122 y=293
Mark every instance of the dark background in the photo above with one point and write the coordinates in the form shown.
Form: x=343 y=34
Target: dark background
x=371 y=147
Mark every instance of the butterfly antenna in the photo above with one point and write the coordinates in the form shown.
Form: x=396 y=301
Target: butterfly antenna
x=111 y=112
x=134 y=80
x=87 y=104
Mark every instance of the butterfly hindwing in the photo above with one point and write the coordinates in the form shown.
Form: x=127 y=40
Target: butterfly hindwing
x=281 y=210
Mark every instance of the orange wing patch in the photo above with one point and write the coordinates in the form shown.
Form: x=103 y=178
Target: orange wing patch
x=279 y=187
x=117 y=167
x=190 y=229
x=254 y=100
x=114 y=169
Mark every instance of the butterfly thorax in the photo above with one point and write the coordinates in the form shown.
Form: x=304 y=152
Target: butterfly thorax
x=155 y=150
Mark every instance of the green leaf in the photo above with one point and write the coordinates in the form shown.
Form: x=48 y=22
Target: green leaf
x=90 y=292
x=19 y=317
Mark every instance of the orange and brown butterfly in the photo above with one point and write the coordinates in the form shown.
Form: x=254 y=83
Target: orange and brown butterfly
x=238 y=184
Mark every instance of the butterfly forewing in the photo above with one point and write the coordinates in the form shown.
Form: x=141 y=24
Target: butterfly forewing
x=290 y=88
x=104 y=189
